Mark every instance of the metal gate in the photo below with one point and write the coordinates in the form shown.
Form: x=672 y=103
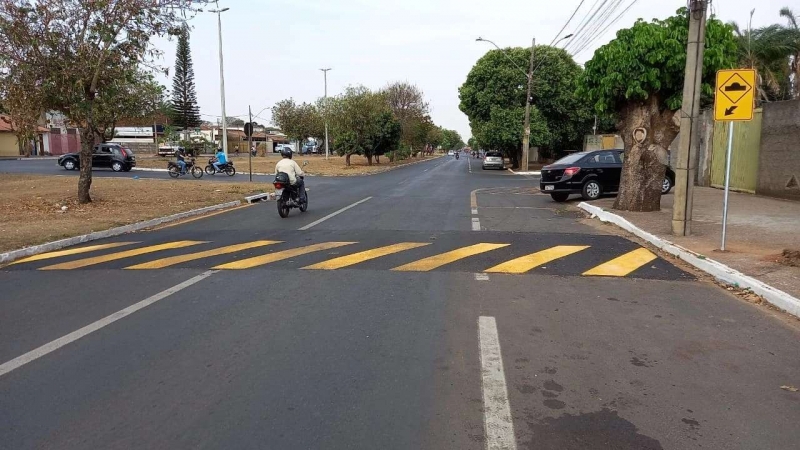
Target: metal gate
x=744 y=160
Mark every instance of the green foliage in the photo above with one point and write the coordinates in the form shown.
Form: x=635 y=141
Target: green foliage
x=493 y=98
x=361 y=122
x=409 y=107
x=185 y=112
x=649 y=59
x=299 y=122
x=451 y=140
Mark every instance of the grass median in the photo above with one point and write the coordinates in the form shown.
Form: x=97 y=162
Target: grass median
x=312 y=164
x=33 y=212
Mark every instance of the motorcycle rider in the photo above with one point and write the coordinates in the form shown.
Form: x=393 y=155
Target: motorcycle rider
x=291 y=168
x=221 y=160
x=180 y=156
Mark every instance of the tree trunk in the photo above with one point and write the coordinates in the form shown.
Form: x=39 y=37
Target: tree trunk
x=646 y=159
x=347 y=159
x=378 y=159
x=515 y=159
x=85 y=178
x=369 y=160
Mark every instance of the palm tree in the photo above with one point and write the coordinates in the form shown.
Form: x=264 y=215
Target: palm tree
x=794 y=24
x=768 y=50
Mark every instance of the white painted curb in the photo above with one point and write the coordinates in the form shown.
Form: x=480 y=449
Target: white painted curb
x=525 y=173
x=147 y=169
x=262 y=196
x=55 y=245
x=716 y=269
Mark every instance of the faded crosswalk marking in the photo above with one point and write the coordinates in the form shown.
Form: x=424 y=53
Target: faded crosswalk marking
x=355 y=258
x=119 y=255
x=432 y=262
x=72 y=251
x=623 y=265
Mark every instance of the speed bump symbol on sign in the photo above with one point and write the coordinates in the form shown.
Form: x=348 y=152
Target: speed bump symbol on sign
x=734 y=99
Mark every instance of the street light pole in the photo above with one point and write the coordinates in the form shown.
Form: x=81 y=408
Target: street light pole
x=325 y=73
x=222 y=79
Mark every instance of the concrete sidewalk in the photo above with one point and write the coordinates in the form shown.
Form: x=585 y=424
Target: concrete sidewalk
x=759 y=229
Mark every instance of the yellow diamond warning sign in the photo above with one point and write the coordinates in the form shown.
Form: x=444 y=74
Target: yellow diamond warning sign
x=735 y=94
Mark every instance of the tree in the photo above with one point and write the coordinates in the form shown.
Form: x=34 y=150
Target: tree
x=409 y=107
x=360 y=123
x=451 y=140
x=299 y=122
x=129 y=96
x=640 y=76
x=76 y=49
x=472 y=143
x=235 y=122
x=794 y=25
x=185 y=112
x=494 y=96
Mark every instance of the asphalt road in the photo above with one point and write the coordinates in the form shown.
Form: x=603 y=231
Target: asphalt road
x=435 y=306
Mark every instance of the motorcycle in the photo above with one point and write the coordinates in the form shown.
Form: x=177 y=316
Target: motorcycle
x=227 y=168
x=288 y=196
x=456 y=155
x=174 y=169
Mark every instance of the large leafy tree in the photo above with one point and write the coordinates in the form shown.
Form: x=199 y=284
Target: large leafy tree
x=451 y=140
x=299 y=122
x=362 y=123
x=185 y=112
x=409 y=107
x=75 y=50
x=639 y=75
x=493 y=98
x=793 y=25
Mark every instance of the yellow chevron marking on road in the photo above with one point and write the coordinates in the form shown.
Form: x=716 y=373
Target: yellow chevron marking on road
x=355 y=258
x=172 y=260
x=439 y=260
x=72 y=251
x=78 y=263
x=279 y=256
x=528 y=262
x=623 y=265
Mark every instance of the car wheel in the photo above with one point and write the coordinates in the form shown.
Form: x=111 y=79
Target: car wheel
x=70 y=164
x=560 y=196
x=666 y=186
x=591 y=190
x=116 y=166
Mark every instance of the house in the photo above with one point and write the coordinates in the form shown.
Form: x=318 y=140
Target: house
x=9 y=146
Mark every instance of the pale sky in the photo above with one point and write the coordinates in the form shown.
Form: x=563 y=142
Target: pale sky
x=274 y=50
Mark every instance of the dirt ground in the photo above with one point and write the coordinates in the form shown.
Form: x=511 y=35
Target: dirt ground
x=32 y=205
x=313 y=164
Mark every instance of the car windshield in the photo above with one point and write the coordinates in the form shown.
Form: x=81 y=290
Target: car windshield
x=569 y=159
x=494 y=155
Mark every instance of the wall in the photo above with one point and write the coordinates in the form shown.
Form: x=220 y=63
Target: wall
x=703 y=138
x=744 y=154
x=141 y=147
x=8 y=145
x=779 y=161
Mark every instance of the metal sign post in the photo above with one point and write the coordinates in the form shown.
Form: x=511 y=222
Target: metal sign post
x=734 y=101
x=727 y=184
x=249 y=131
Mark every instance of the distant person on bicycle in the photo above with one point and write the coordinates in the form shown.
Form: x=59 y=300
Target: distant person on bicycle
x=291 y=168
x=221 y=159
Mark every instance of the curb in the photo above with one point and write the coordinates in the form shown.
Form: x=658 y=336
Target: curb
x=55 y=245
x=147 y=169
x=537 y=172
x=258 y=197
x=716 y=269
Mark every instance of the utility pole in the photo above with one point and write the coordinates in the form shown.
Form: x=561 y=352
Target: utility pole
x=222 y=79
x=526 y=139
x=325 y=73
x=686 y=168
x=250 y=141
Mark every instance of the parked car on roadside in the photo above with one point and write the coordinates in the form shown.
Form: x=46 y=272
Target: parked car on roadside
x=494 y=160
x=589 y=174
x=114 y=156
x=169 y=150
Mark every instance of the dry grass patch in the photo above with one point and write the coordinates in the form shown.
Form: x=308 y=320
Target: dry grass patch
x=32 y=205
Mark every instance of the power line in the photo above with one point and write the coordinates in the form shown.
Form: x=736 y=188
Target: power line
x=586 y=20
x=601 y=20
x=601 y=33
x=568 y=21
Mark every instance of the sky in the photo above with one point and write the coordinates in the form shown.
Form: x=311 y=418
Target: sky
x=274 y=50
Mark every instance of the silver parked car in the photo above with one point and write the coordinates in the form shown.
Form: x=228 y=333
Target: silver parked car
x=494 y=160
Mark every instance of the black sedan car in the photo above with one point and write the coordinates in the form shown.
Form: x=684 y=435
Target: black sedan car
x=589 y=174
x=114 y=156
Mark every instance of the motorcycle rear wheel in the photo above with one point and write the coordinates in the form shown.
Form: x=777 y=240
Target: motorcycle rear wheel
x=283 y=208
x=230 y=171
x=174 y=172
x=304 y=205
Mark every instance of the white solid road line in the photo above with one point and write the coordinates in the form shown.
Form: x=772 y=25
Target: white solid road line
x=335 y=213
x=476 y=224
x=92 y=327
x=481 y=277
x=497 y=422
